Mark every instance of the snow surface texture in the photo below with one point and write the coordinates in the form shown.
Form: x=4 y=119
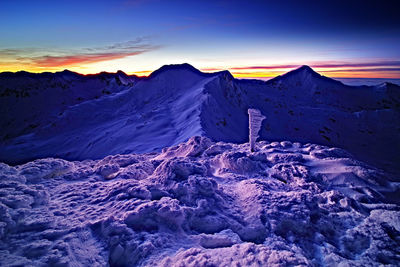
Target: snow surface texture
x=77 y=117
x=201 y=203
x=255 y=121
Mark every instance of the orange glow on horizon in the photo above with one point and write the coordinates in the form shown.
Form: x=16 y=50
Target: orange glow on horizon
x=329 y=72
x=141 y=73
x=237 y=72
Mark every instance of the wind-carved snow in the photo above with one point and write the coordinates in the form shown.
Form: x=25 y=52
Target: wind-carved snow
x=201 y=203
x=255 y=121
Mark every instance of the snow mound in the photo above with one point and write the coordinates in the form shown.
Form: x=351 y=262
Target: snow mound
x=201 y=203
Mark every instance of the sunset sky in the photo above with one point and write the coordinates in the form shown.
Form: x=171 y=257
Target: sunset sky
x=249 y=38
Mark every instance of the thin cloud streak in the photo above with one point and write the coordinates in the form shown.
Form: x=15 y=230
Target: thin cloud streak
x=357 y=65
x=389 y=68
x=35 y=57
x=365 y=70
x=323 y=65
x=266 y=67
x=88 y=58
x=78 y=59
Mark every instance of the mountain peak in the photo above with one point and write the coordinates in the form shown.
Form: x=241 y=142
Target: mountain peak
x=225 y=73
x=67 y=73
x=387 y=86
x=301 y=72
x=120 y=72
x=183 y=66
x=305 y=69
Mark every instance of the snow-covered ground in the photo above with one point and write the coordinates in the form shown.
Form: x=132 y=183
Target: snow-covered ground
x=201 y=203
x=157 y=171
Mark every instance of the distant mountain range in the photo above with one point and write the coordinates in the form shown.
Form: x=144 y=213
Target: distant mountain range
x=78 y=117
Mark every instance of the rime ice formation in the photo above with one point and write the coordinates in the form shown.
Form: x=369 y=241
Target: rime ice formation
x=77 y=117
x=201 y=203
x=255 y=121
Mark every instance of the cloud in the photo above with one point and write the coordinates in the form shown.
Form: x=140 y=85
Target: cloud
x=8 y=52
x=270 y=67
x=366 y=70
x=79 y=59
x=358 y=65
x=377 y=65
x=265 y=67
x=378 y=68
x=36 y=57
x=14 y=53
x=212 y=69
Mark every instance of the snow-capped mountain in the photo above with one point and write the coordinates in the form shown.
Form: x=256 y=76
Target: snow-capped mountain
x=29 y=101
x=72 y=116
x=203 y=198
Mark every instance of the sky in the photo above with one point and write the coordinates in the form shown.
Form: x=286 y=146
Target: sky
x=251 y=39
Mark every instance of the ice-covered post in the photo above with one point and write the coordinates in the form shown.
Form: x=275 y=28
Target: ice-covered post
x=255 y=120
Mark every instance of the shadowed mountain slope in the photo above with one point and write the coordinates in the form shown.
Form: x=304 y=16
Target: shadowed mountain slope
x=72 y=116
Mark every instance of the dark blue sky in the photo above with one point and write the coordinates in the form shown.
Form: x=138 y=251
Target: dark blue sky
x=90 y=36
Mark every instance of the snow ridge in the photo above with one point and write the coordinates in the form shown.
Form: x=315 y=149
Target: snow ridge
x=117 y=113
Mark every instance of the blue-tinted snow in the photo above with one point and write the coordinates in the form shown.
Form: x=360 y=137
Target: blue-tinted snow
x=79 y=117
x=201 y=203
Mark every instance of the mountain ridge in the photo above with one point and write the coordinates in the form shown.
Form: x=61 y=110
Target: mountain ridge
x=167 y=67
x=182 y=66
x=108 y=114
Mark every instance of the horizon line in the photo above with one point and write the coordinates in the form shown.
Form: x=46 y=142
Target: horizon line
x=274 y=71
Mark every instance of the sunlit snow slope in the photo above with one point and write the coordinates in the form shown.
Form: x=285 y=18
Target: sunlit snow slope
x=201 y=203
x=78 y=117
